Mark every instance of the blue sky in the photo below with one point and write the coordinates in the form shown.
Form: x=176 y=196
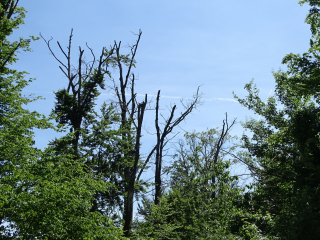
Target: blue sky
x=220 y=45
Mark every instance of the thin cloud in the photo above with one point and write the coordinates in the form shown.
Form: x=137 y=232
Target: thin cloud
x=151 y=95
x=220 y=99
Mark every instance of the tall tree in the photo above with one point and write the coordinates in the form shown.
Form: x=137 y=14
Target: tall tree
x=92 y=133
x=112 y=152
x=162 y=136
x=283 y=152
x=15 y=121
x=128 y=113
x=132 y=116
x=42 y=195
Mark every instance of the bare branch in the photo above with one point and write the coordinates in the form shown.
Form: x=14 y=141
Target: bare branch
x=63 y=71
x=94 y=60
x=48 y=44
x=161 y=136
x=146 y=162
x=133 y=54
x=62 y=50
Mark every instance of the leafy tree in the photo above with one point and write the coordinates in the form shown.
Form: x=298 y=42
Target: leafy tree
x=190 y=210
x=43 y=195
x=15 y=122
x=283 y=152
x=106 y=150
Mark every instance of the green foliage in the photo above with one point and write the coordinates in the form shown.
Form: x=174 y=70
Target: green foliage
x=43 y=194
x=54 y=200
x=285 y=145
x=105 y=149
x=189 y=210
x=11 y=17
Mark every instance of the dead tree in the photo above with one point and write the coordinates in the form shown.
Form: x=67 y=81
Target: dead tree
x=132 y=113
x=169 y=125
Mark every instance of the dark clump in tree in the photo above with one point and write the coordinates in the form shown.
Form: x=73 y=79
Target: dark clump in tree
x=75 y=104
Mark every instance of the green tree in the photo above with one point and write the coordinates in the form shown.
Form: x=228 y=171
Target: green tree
x=15 y=122
x=106 y=150
x=283 y=152
x=43 y=195
x=190 y=210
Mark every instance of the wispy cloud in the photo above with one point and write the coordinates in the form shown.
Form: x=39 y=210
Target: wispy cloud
x=179 y=97
x=220 y=99
x=152 y=95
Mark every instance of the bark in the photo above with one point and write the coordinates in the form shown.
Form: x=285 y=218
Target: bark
x=130 y=192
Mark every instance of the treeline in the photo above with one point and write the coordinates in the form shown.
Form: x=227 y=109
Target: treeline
x=83 y=184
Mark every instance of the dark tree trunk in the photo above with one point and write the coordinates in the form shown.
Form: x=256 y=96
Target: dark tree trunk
x=133 y=172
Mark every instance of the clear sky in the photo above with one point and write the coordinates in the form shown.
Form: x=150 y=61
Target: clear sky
x=220 y=45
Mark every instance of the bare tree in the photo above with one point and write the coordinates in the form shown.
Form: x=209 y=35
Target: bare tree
x=132 y=113
x=169 y=125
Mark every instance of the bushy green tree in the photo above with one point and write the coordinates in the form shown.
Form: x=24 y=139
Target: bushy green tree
x=43 y=194
x=283 y=153
x=189 y=209
x=16 y=137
